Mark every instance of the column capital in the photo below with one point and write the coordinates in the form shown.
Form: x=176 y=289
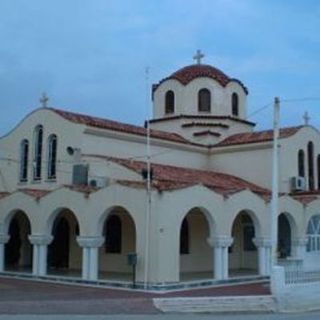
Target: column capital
x=300 y=242
x=262 y=242
x=90 y=242
x=220 y=241
x=4 y=238
x=40 y=239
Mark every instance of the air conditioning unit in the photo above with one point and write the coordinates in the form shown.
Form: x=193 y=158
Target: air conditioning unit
x=298 y=184
x=99 y=182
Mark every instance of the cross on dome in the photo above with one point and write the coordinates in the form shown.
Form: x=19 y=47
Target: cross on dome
x=199 y=55
x=44 y=100
x=306 y=118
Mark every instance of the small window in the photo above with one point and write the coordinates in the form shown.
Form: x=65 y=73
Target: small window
x=169 y=103
x=318 y=165
x=184 y=237
x=204 y=100
x=113 y=235
x=235 y=104
x=313 y=234
x=310 y=165
x=52 y=156
x=24 y=153
x=37 y=160
x=301 y=171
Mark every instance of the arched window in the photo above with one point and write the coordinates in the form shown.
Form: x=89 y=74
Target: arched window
x=301 y=171
x=169 y=103
x=52 y=156
x=318 y=165
x=24 y=153
x=235 y=104
x=313 y=234
x=113 y=235
x=204 y=100
x=310 y=166
x=37 y=160
x=184 y=237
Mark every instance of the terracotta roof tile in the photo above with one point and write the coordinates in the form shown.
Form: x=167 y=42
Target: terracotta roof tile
x=166 y=177
x=117 y=126
x=35 y=193
x=191 y=72
x=4 y=194
x=256 y=137
x=306 y=197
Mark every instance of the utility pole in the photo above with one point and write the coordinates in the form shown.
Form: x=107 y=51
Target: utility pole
x=275 y=182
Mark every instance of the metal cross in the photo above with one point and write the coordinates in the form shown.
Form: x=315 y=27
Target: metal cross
x=306 y=118
x=44 y=100
x=198 y=56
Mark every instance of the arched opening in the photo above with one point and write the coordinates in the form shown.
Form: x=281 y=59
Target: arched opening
x=196 y=258
x=301 y=166
x=204 y=100
x=169 y=102
x=284 y=237
x=318 y=167
x=119 y=232
x=313 y=245
x=243 y=256
x=52 y=156
x=310 y=165
x=18 y=250
x=235 y=104
x=37 y=157
x=64 y=253
x=24 y=158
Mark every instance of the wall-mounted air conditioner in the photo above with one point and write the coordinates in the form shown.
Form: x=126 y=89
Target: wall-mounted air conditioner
x=298 y=184
x=99 y=182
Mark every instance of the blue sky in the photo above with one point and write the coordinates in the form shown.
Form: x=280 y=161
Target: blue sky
x=90 y=55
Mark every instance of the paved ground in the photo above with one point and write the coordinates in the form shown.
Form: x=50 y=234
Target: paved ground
x=32 y=297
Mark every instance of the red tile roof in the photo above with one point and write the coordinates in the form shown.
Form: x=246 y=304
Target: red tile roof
x=36 y=193
x=117 y=126
x=256 y=137
x=166 y=177
x=207 y=133
x=4 y=194
x=307 y=196
x=191 y=72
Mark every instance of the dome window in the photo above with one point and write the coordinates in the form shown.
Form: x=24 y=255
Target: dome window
x=169 y=102
x=204 y=100
x=235 y=104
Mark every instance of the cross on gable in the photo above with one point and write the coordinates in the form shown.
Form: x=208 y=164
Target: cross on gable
x=44 y=100
x=199 y=55
x=306 y=118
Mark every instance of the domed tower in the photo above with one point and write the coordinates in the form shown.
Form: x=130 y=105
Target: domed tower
x=201 y=103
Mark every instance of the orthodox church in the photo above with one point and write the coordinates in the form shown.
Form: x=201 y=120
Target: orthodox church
x=185 y=197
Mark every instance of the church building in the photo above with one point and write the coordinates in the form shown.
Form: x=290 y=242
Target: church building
x=186 y=197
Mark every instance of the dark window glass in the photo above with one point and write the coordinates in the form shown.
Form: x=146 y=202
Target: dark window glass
x=184 y=237
x=169 y=103
x=301 y=171
x=38 y=152
x=52 y=156
x=235 y=104
x=310 y=166
x=318 y=165
x=113 y=235
x=24 y=153
x=204 y=100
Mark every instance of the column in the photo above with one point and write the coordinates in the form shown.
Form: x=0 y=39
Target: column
x=40 y=248
x=299 y=246
x=264 y=246
x=90 y=247
x=221 y=256
x=4 y=238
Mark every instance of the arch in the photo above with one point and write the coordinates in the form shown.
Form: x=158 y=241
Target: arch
x=52 y=156
x=184 y=237
x=37 y=156
x=313 y=234
x=204 y=100
x=169 y=102
x=310 y=165
x=243 y=255
x=235 y=104
x=284 y=236
x=113 y=234
x=18 y=250
x=301 y=165
x=24 y=160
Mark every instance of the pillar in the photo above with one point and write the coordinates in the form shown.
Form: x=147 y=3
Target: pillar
x=4 y=238
x=40 y=248
x=220 y=246
x=264 y=246
x=90 y=247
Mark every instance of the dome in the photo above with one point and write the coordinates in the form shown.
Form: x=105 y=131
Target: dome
x=191 y=72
